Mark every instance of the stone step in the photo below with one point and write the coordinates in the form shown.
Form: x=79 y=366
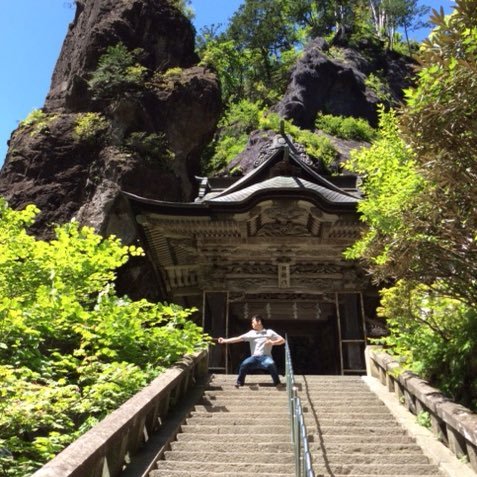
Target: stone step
x=343 y=414
x=364 y=439
x=245 y=457
x=238 y=420
x=198 y=473
x=243 y=407
x=370 y=448
x=241 y=393
x=236 y=429
x=264 y=438
x=369 y=430
x=233 y=468
x=245 y=412
x=262 y=401
x=236 y=397
x=360 y=387
x=245 y=446
x=387 y=422
x=369 y=459
x=331 y=405
x=339 y=395
x=377 y=469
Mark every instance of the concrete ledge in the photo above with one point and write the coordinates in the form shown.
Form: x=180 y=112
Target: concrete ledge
x=453 y=424
x=432 y=448
x=103 y=450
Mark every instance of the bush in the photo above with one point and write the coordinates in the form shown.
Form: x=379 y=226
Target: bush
x=317 y=146
x=89 y=126
x=38 y=120
x=345 y=127
x=379 y=86
x=234 y=128
x=118 y=71
x=152 y=147
x=436 y=335
x=71 y=350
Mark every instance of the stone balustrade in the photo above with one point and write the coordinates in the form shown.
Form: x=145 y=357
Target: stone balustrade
x=453 y=424
x=104 y=449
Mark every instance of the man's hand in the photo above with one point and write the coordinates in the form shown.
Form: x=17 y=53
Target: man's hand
x=276 y=342
x=221 y=340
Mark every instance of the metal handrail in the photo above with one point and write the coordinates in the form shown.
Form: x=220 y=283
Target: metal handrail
x=299 y=436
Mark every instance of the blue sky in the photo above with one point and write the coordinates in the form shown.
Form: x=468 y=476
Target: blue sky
x=31 y=35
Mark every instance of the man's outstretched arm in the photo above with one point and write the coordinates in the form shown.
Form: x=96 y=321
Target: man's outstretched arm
x=235 y=339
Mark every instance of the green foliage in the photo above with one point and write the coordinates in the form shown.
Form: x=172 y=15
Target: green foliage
x=237 y=123
x=391 y=181
x=317 y=146
x=38 y=120
x=172 y=72
x=153 y=147
x=185 y=7
x=437 y=336
x=420 y=209
x=388 y=15
x=345 y=127
x=118 y=71
x=424 y=419
x=71 y=350
x=379 y=86
x=90 y=126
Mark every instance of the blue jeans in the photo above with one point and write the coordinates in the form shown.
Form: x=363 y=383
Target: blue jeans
x=258 y=362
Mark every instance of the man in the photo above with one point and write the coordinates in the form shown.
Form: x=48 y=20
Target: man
x=261 y=343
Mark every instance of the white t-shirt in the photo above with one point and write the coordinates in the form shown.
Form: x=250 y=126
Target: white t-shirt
x=257 y=341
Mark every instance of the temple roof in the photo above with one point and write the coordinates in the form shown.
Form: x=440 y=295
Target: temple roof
x=282 y=170
x=283 y=184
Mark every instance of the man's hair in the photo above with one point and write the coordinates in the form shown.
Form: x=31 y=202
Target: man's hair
x=258 y=318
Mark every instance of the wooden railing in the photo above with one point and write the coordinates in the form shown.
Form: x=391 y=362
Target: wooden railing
x=104 y=449
x=453 y=424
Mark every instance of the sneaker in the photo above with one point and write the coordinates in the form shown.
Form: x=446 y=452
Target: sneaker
x=238 y=385
x=279 y=385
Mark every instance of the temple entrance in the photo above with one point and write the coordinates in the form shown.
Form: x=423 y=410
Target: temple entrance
x=325 y=331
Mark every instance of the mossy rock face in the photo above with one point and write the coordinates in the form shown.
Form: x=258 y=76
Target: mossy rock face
x=334 y=81
x=71 y=157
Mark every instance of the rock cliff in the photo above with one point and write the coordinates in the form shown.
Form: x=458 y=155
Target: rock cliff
x=344 y=81
x=339 y=80
x=88 y=143
x=128 y=109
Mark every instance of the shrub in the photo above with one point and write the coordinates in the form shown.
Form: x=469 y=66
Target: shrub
x=317 y=146
x=88 y=126
x=152 y=147
x=345 y=127
x=38 y=120
x=238 y=122
x=379 y=86
x=71 y=350
x=118 y=71
x=435 y=334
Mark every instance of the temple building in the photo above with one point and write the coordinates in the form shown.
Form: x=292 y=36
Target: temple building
x=270 y=242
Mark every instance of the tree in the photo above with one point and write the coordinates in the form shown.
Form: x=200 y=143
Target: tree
x=71 y=350
x=261 y=26
x=421 y=215
x=388 y=15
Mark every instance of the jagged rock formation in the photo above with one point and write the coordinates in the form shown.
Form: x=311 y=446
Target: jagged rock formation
x=66 y=175
x=336 y=80
x=69 y=174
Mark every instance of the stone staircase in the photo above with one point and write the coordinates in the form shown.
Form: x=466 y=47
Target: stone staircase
x=234 y=432
x=246 y=432
x=354 y=434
